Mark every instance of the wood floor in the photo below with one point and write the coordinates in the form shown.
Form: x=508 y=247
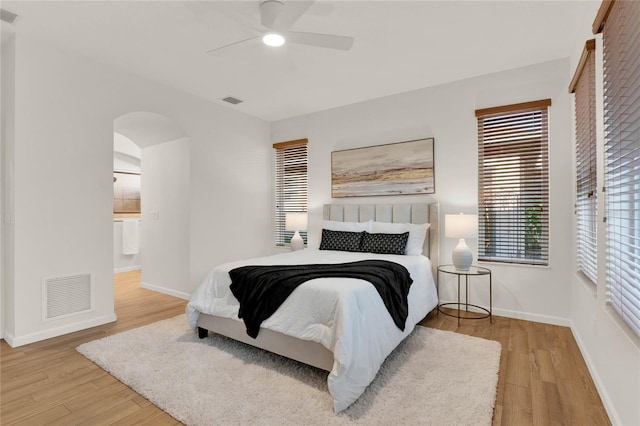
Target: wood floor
x=543 y=378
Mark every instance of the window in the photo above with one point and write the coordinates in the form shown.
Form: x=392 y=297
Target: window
x=620 y=23
x=126 y=194
x=291 y=186
x=513 y=182
x=584 y=86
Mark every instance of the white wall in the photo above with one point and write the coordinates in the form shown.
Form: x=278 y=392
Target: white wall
x=165 y=245
x=65 y=106
x=7 y=139
x=446 y=113
x=231 y=203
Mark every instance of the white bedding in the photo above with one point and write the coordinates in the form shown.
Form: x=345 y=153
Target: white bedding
x=345 y=315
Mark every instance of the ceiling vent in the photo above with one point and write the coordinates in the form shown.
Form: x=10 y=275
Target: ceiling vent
x=7 y=16
x=232 y=100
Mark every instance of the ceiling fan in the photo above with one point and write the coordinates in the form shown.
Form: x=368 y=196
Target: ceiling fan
x=277 y=17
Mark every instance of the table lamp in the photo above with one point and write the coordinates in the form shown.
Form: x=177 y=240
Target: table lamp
x=296 y=222
x=461 y=226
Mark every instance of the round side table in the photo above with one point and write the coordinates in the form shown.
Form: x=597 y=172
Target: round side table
x=472 y=272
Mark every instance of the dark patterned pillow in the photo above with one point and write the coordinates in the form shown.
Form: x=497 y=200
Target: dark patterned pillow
x=340 y=240
x=384 y=243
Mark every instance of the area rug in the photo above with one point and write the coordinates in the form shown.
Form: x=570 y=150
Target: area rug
x=433 y=378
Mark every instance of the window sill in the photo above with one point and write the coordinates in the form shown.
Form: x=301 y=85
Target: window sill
x=512 y=265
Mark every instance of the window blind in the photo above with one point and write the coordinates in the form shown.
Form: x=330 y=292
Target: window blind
x=290 y=186
x=513 y=181
x=586 y=212
x=621 y=38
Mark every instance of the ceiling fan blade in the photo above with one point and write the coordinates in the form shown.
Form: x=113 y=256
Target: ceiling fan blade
x=321 y=40
x=293 y=10
x=269 y=11
x=234 y=44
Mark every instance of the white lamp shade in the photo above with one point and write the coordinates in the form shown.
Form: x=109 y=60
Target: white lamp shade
x=295 y=222
x=461 y=225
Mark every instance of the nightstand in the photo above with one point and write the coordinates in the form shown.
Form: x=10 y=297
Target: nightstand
x=474 y=271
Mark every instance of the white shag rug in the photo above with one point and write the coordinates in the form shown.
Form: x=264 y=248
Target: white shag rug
x=433 y=378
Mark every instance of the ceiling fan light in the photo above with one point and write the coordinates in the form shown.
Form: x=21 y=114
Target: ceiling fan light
x=273 y=39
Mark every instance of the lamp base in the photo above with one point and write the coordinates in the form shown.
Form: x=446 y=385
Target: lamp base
x=462 y=256
x=296 y=242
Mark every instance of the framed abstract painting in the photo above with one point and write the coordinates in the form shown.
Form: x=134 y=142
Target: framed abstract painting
x=391 y=169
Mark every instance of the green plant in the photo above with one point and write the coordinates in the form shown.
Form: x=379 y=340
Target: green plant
x=533 y=231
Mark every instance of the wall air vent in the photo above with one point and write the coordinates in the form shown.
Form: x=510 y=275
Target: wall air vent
x=7 y=16
x=232 y=100
x=65 y=296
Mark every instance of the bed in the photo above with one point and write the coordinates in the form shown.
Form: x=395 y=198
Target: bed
x=336 y=324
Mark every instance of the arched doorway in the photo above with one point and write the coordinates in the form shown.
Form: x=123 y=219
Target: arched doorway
x=162 y=225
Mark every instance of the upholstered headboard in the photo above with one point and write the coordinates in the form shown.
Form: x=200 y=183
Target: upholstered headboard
x=394 y=213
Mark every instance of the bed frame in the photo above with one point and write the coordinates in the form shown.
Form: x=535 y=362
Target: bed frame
x=313 y=353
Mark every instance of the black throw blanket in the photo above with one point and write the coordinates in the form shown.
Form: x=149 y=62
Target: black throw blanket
x=262 y=289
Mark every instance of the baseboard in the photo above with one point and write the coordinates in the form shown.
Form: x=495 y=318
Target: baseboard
x=14 y=341
x=127 y=269
x=8 y=337
x=525 y=316
x=164 y=290
x=602 y=390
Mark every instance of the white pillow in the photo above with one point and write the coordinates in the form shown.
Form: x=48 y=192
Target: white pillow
x=334 y=225
x=417 y=234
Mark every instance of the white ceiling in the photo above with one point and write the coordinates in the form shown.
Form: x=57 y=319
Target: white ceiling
x=399 y=45
x=147 y=128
